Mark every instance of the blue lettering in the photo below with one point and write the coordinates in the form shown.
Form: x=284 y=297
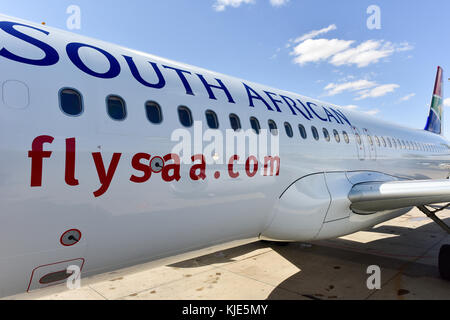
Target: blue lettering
x=310 y=104
x=291 y=104
x=72 y=51
x=306 y=109
x=329 y=115
x=274 y=101
x=220 y=86
x=252 y=94
x=51 y=55
x=341 y=116
x=183 y=79
x=161 y=82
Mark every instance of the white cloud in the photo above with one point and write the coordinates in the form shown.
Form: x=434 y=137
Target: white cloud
x=355 y=107
x=350 y=107
x=314 y=50
x=447 y=102
x=363 y=88
x=341 y=52
x=408 y=97
x=366 y=53
x=376 y=92
x=334 y=89
x=315 y=33
x=278 y=3
x=372 y=112
x=220 y=5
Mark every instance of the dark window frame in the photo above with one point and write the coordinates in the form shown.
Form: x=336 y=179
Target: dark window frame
x=160 y=111
x=215 y=116
x=238 y=121
x=191 y=118
x=346 y=137
x=258 y=125
x=315 y=133
x=336 y=135
x=302 y=130
x=286 y=126
x=326 y=134
x=124 y=106
x=276 y=127
x=81 y=101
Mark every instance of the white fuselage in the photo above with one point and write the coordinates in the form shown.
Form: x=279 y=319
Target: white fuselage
x=135 y=222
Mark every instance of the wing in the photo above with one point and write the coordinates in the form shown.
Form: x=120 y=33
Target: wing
x=371 y=197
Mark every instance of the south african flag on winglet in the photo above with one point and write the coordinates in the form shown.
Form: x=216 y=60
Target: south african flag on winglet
x=434 y=123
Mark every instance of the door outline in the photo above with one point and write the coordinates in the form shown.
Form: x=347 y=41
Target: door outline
x=370 y=145
x=360 y=148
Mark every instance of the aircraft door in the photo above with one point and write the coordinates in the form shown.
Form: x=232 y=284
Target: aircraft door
x=371 y=148
x=360 y=146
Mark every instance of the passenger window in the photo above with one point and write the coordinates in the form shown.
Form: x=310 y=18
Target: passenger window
x=185 y=116
x=358 y=138
x=378 y=141
x=346 y=138
x=154 y=114
x=71 y=102
x=393 y=141
x=235 y=122
x=337 y=136
x=370 y=140
x=326 y=135
x=116 y=108
x=255 y=125
x=302 y=130
x=273 y=127
x=315 y=133
x=288 y=129
x=211 y=119
x=384 y=142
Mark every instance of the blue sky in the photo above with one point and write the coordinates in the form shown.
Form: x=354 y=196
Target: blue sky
x=318 y=48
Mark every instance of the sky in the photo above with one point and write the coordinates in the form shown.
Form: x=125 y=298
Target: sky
x=378 y=56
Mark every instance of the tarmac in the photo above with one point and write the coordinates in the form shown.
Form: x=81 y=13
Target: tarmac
x=405 y=249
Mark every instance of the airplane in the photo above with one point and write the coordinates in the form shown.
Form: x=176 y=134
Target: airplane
x=91 y=176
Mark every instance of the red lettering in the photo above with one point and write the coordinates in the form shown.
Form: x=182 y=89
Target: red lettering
x=272 y=161
x=175 y=167
x=105 y=177
x=231 y=172
x=70 y=162
x=201 y=166
x=251 y=174
x=37 y=155
x=139 y=166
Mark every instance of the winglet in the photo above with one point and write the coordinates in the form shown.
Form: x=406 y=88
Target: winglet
x=434 y=123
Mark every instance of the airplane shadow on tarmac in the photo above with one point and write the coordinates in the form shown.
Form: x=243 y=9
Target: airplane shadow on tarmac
x=337 y=269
